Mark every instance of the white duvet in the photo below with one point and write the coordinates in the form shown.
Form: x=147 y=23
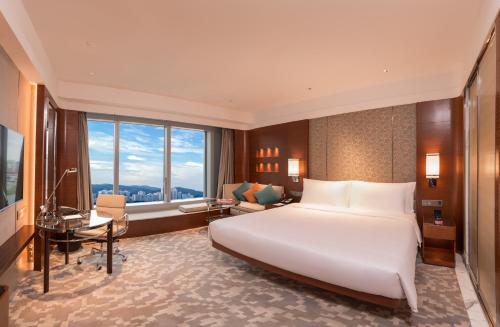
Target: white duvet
x=365 y=251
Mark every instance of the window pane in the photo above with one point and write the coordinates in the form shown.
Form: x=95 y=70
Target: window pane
x=141 y=162
x=101 y=153
x=187 y=163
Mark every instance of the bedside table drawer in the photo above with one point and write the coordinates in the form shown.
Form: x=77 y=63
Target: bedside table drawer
x=439 y=232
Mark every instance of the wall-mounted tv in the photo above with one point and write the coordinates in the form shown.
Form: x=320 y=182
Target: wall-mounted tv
x=11 y=166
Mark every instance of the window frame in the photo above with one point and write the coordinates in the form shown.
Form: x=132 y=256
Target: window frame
x=167 y=202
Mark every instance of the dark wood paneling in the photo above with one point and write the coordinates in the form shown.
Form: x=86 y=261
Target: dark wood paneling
x=14 y=246
x=292 y=139
x=440 y=129
x=45 y=120
x=167 y=224
x=241 y=156
x=67 y=156
x=371 y=298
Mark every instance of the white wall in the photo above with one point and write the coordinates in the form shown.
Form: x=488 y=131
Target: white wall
x=15 y=113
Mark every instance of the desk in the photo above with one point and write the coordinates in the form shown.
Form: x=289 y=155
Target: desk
x=89 y=220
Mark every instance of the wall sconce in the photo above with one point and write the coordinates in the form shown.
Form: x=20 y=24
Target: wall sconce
x=432 y=168
x=293 y=169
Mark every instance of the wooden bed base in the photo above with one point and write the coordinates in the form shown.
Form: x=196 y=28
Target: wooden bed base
x=371 y=298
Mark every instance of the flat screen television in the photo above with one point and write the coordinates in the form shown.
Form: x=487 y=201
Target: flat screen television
x=11 y=166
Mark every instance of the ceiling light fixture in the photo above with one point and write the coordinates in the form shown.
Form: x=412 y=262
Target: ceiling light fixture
x=92 y=74
x=386 y=70
x=90 y=44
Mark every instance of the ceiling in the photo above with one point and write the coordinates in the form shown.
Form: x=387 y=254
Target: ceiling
x=263 y=58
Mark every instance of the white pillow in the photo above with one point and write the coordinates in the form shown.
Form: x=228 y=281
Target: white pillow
x=330 y=193
x=410 y=199
x=387 y=197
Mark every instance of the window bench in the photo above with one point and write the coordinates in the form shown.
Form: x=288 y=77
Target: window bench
x=165 y=221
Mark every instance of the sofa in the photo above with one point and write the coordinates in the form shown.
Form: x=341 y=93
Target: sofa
x=246 y=207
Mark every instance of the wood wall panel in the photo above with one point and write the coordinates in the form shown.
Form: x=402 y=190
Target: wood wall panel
x=241 y=159
x=67 y=156
x=404 y=147
x=318 y=148
x=360 y=146
x=292 y=139
x=440 y=129
x=377 y=145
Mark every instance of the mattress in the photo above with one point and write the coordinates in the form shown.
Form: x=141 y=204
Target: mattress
x=365 y=251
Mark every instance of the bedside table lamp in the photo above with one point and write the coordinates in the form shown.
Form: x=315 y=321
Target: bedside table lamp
x=432 y=168
x=293 y=169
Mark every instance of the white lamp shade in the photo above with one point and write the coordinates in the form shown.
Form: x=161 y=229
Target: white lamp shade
x=293 y=167
x=432 y=165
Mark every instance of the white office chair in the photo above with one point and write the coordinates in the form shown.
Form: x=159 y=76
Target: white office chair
x=113 y=205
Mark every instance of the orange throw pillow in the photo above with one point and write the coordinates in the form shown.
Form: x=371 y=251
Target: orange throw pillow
x=249 y=193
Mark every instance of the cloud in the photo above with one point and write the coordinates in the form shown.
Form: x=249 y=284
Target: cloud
x=194 y=164
x=136 y=158
x=101 y=165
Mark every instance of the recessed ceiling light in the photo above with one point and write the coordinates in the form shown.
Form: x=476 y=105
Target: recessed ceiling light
x=386 y=70
x=309 y=88
x=90 y=44
x=92 y=74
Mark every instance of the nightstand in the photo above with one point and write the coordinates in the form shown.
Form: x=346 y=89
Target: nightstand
x=439 y=242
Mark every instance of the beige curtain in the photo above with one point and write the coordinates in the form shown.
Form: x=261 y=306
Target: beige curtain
x=84 y=189
x=226 y=166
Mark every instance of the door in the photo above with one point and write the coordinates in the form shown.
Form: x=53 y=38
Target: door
x=486 y=178
x=473 y=242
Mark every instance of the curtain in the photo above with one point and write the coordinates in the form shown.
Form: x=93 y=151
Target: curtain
x=226 y=166
x=84 y=189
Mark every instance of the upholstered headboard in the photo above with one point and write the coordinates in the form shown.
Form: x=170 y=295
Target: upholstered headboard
x=376 y=145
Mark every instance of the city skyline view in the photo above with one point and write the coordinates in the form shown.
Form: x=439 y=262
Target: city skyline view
x=141 y=158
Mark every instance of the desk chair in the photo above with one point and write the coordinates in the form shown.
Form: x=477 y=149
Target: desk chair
x=113 y=205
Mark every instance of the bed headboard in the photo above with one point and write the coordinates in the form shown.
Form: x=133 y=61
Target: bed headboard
x=377 y=145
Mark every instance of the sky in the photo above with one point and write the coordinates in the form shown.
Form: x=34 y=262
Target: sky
x=142 y=149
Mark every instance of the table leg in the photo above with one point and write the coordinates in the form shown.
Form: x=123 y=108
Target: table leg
x=46 y=239
x=66 y=255
x=110 y=248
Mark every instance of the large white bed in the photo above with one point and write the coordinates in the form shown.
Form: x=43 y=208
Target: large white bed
x=364 y=249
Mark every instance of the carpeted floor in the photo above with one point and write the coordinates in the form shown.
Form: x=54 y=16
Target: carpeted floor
x=177 y=279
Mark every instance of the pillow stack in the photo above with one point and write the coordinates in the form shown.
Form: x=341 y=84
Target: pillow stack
x=386 y=197
x=256 y=193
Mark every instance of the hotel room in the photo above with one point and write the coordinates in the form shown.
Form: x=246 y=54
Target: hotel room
x=249 y=163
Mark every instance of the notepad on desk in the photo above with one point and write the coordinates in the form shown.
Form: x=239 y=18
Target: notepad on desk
x=72 y=217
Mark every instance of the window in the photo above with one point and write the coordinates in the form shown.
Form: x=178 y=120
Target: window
x=142 y=158
x=101 y=155
x=142 y=152
x=187 y=163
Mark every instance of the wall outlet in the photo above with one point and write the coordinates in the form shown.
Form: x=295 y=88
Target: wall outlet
x=432 y=203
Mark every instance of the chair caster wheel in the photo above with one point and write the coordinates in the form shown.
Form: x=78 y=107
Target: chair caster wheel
x=78 y=262
x=124 y=259
x=99 y=268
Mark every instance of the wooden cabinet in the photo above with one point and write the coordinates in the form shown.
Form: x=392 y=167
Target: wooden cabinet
x=439 y=243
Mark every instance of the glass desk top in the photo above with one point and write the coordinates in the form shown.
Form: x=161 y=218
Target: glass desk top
x=89 y=220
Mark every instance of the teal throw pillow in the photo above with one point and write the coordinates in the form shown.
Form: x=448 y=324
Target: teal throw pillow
x=267 y=195
x=238 y=193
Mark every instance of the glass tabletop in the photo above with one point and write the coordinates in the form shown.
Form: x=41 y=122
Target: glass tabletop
x=83 y=221
x=218 y=204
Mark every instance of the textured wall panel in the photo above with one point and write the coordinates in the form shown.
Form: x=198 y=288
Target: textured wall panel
x=318 y=148
x=360 y=146
x=404 y=143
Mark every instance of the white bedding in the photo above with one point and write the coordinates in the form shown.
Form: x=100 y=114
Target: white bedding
x=365 y=251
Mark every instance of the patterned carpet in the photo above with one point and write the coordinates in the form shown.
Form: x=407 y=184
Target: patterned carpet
x=177 y=279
